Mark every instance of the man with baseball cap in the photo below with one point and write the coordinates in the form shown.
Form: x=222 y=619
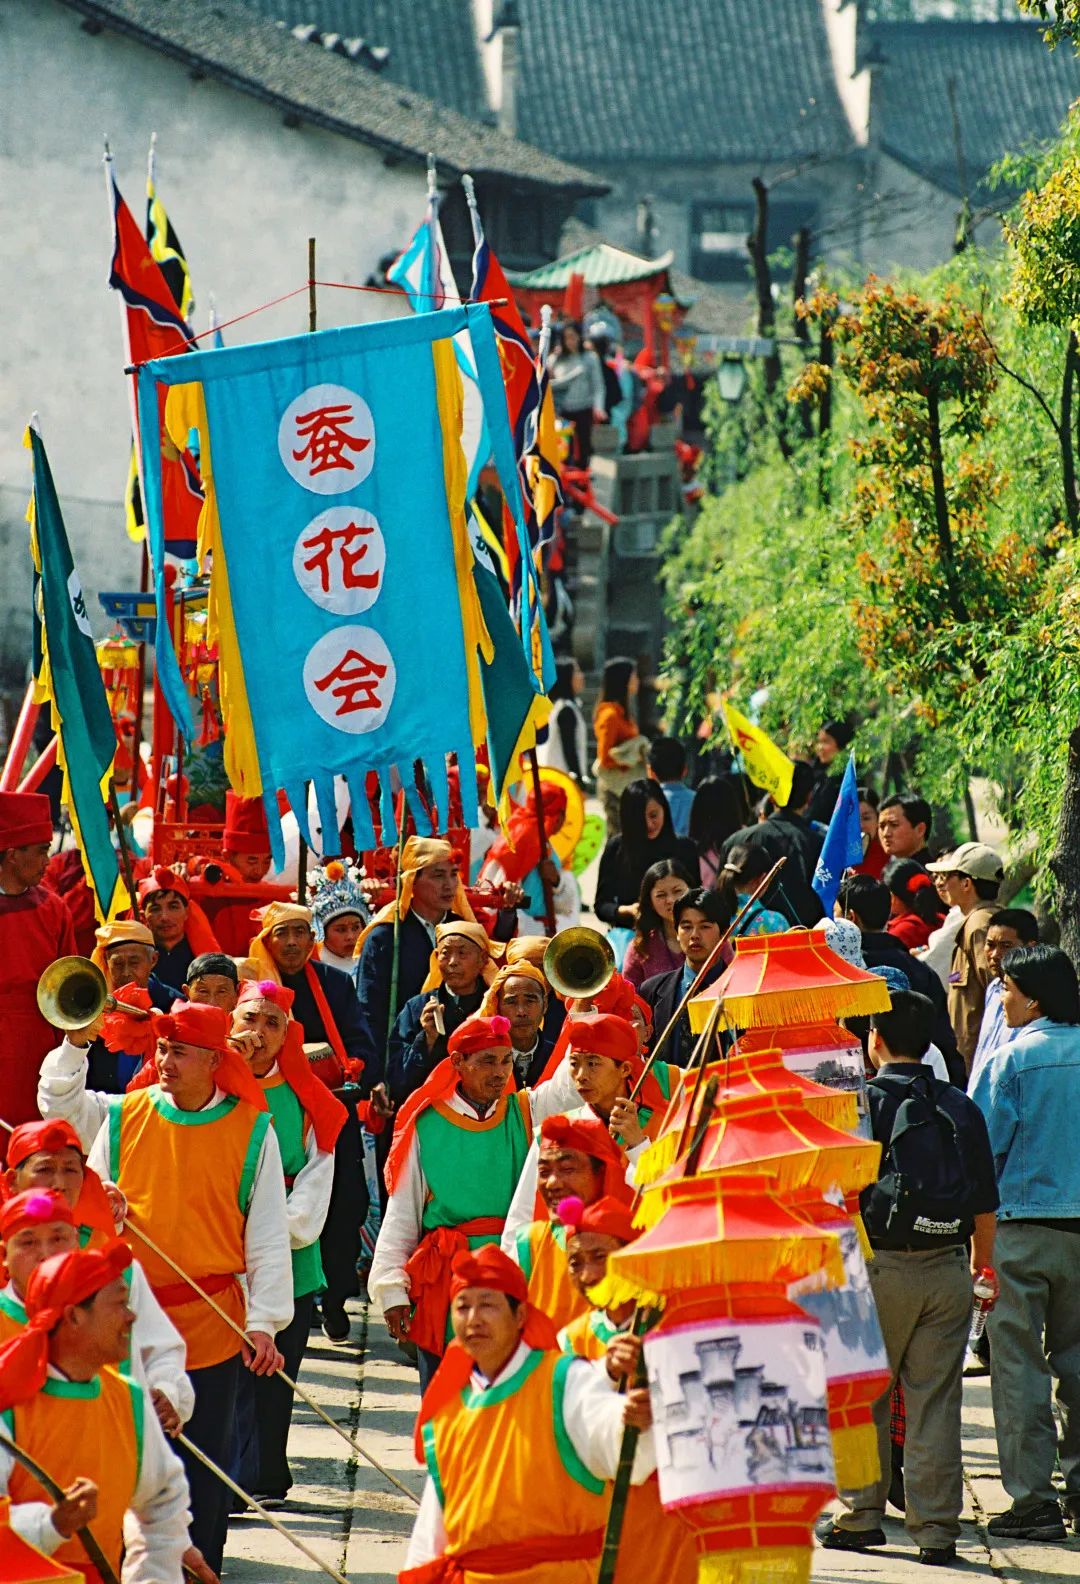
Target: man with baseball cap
x=972 y=876
x=35 y=929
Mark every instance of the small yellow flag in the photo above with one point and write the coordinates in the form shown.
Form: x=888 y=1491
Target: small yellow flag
x=766 y=766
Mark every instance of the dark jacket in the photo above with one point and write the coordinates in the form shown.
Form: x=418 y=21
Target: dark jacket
x=882 y=950
x=540 y=1058
x=410 y=1061
x=618 y=882
x=376 y=971
x=663 y=993
x=786 y=835
x=112 y=1071
x=345 y=1009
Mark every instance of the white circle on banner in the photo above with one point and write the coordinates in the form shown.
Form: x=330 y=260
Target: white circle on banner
x=326 y=439
x=339 y=559
x=349 y=679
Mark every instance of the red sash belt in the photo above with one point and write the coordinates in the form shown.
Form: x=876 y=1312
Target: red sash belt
x=514 y=1557
x=428 y=1270
x=170 y=1294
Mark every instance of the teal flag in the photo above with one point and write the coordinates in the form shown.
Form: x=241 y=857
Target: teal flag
x=67 y=676
x=514 y=710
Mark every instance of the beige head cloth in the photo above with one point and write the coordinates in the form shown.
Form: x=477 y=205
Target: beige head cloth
x=273 y=913
x=121 y=931
x=471 y=931
x=419 y=852
x=522 y=969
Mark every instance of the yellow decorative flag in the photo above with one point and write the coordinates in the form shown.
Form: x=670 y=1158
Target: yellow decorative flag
x=765 y=764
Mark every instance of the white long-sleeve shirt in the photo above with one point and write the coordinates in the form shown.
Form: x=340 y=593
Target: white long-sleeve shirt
x=62 y=1092
x=155 y=1524
x=593 y=1415
x=308 y=1199
x=158 y=1354
x=403 y=1224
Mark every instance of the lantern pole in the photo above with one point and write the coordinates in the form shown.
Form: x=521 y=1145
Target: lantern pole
x=762 y=887
x=302 y=847
x=644 y=1318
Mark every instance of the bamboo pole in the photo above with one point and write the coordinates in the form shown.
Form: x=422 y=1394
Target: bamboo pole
x=56 y=1491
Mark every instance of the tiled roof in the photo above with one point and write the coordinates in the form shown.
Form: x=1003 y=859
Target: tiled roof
x=600 y=264
x=678 y=80
x=223 y=39
x=432 y=43
x=1010 y=91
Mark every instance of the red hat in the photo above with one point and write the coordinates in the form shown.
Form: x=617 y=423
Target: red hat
x=610 y=1217
x=35 y=1207
x=483 y=1267
x=266 y=990
x=480 y=1034
x=589 y=1135
x=208 y=1027
x=25 y=818
x=245 y=830
x=603 y=1034
x=33 y=1138
x=323 y=1109
x=617 y=997
x=163 y=879
x=62 y=1280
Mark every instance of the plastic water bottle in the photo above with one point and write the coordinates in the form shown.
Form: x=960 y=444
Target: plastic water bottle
x=985 y=1290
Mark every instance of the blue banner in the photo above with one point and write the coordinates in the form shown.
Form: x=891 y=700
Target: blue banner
x=843 y=845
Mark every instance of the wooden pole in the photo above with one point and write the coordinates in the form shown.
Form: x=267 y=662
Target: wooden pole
x=545 y=849
x=302 y=847
x=39 y=769
x=620 y=1490
x=125 y=855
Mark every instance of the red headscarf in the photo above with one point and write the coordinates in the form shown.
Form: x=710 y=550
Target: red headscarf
x=57 y=1282
x=609 y=1217
x=603 y=1034
x=476 y=1033
x=193 y=1023
x=34 y=1138
x=197 y=931
x=35 y=1207
x=484 y=1267
x=518 y=852
x=591 y=1137
x=325 y=1111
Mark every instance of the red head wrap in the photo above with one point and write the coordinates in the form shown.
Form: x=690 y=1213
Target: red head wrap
x=164 y=879
x=245 y=825
x=604 y=1034
x=617 y=997
x=193 y=1023
x=518 y=851
x=480 y=1034
x=590 y=1136
x=609 y=1217
x=490 y=1268
x=25 y=819
x=324 y=1110
x=38 y=1138
x=266 y=990
x=62 y=1280
x=35 y=1207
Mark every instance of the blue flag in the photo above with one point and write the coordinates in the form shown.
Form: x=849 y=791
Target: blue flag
x=843 y=846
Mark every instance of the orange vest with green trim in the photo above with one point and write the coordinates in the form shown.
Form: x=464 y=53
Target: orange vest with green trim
x=94 y=1429
x=506 y=1472
x=188 y=1178
x=541 y=1253
x=655 y=1547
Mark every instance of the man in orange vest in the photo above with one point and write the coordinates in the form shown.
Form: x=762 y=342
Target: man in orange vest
x=63 y=1403
x=518 y=1439
x=198 y=1162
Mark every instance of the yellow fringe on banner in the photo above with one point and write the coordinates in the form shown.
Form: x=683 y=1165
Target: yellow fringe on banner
x=721 y=1262
x=864 y=1241
x=762 y=1565
x=855 y=1456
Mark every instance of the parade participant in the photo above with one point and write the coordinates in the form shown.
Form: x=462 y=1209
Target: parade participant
x=655 y=1548
x=462 y=966
x=973 y=876
x=519 y=993
x=576 y=1157
x=459 y=1146
x=655 y=947
x=325 y=1005
x=213 y=981
x=35 y=929
x=531 y=949
x=198 y=1162
x=515 y=856
x=245 y=861
x=126 y=955
x=431 y=893
x=700 y=919
x=64 y=1405
x=339 y=912
x=46 y=1158
x=180 y=928
x=307 y=1122
x=518 y=1439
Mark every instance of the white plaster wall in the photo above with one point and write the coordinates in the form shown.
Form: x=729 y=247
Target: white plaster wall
x=244 y=193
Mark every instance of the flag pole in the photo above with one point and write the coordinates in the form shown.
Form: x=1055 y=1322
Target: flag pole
x=125 y=855
x=549 y=889
x=21 y=739
x=313 y=324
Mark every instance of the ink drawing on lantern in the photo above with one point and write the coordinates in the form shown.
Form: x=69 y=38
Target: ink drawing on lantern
x=738 y=1408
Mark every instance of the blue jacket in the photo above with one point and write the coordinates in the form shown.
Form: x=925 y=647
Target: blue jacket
x=1029 y=1093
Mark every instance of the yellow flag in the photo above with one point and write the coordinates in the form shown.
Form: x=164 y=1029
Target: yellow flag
x=766 y=766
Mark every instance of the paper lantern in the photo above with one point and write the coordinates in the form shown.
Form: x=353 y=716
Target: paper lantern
x=761 y=1071
x=823 y=1052
x=771 y=1132
x=21 y=1563
x=792 y=977
x=856 y=1364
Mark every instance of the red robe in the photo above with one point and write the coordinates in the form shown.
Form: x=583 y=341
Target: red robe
x=35 y=929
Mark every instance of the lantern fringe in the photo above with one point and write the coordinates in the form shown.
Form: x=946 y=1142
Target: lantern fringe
x=612 y=1291
x=724 y=1263
x=864 y=1239
x=855 y=1456
x=760 y=1565
x=795 y=1006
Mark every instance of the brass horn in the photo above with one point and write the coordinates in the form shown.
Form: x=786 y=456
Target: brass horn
x=72 y=992
x=579 y=962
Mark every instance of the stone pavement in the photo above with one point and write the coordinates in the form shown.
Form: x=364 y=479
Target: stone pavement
x=359 y=1524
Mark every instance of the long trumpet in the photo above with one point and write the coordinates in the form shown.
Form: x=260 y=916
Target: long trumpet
x=579 y=963
x=73 y=991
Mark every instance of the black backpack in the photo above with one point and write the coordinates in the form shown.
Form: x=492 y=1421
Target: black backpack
x=922 y=1198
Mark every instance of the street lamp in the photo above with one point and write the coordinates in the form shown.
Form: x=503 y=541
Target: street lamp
x=731 y=378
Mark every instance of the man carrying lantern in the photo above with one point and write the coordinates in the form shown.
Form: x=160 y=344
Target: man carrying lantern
x=63 y=1403
x=518 y=1439
x=198 y=1162
x=457 y=1154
